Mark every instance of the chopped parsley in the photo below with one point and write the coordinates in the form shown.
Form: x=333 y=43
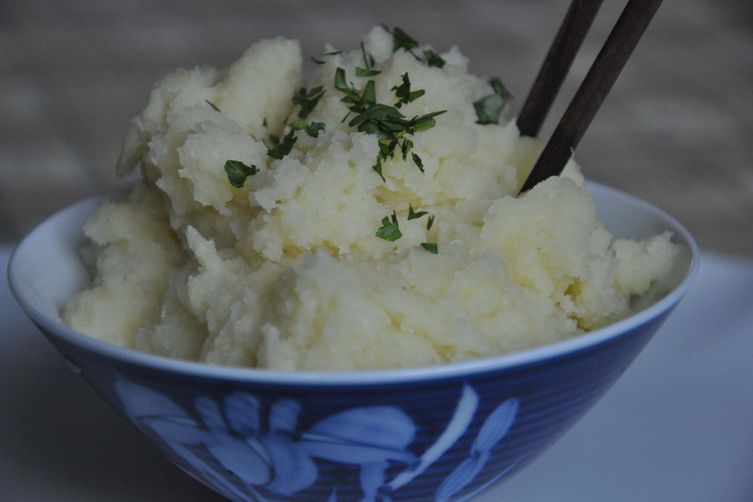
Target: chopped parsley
x=283 y=147
x=404 y=94
x=214 y=107
x=430 y=222
x=321 y=61
x=401 y=40
x=412 y=214
x=434 y=59
x=388 y=124
x=390 y=229
x=417 y=160
x=431 y=247
x=237 y=172
x=307 y=100
x=382 y=120
x=313 y=129
x=368 y=59
x=355 y=102
x=489 y=108
x=366 y=72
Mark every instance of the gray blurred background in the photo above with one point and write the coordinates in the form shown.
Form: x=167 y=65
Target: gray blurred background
x=675 y=130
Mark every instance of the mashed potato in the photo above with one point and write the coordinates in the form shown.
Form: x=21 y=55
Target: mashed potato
x=285 y=268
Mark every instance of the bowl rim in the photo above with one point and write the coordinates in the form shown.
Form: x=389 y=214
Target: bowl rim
x=55 y=328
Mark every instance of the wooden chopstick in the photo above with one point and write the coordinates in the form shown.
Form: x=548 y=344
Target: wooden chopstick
x=556 y=64
x=591 y=93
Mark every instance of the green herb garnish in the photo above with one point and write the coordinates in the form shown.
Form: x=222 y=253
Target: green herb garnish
x=431 y=247
x=321 y=61
x=384 y=121
x=307 y=100
x=283 y=147
x=401 y=40
x=377 y=167
x=368 y=95
x=214 y=107
x=237 y=172
x=417 y=160
x=313 y=129
x=406 y=147
x=426 y=121
x=489 y=108
x=434 y=59
x=366 y=72
x=368 y=59
x=412 y=215
x=430 y=222
x=404 y=94
x=390 y=230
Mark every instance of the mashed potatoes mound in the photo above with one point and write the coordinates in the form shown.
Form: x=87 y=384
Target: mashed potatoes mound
x=286 y=272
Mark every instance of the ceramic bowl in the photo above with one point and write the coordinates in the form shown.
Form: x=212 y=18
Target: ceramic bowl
x=439 y=433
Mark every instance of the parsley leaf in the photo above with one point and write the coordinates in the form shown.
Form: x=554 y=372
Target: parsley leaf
x=321 y=61
x=390 y=230
x=405 y=147
x=214 y=107
x=385 y=117
x=431 y=247
x=237 y=172
x=404 y=93
x=489 y=108
x=368 y=95
x=412 y=215
x=426 y=121
x=384 y=121
x=417 y=160
x=366 y=72
x=377 y=167
x=340 y=83
x=401 y=40
x=307 y=100
x=368 y=59
x=434 y=59
x=314 y=129
x=430 y=223
x=284 y=146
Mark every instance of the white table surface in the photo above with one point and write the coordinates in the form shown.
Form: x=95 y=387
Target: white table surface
x=678 y=426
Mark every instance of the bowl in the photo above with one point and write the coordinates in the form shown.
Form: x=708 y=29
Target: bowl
x=437 y=433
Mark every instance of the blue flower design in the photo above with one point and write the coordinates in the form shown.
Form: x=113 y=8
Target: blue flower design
x=495 y=427
x=278 y=459
x=226 y=444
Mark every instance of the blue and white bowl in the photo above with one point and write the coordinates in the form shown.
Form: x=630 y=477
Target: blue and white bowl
x=439 y=433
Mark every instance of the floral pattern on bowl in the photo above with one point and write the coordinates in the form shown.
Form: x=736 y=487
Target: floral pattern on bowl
x=243 y=450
